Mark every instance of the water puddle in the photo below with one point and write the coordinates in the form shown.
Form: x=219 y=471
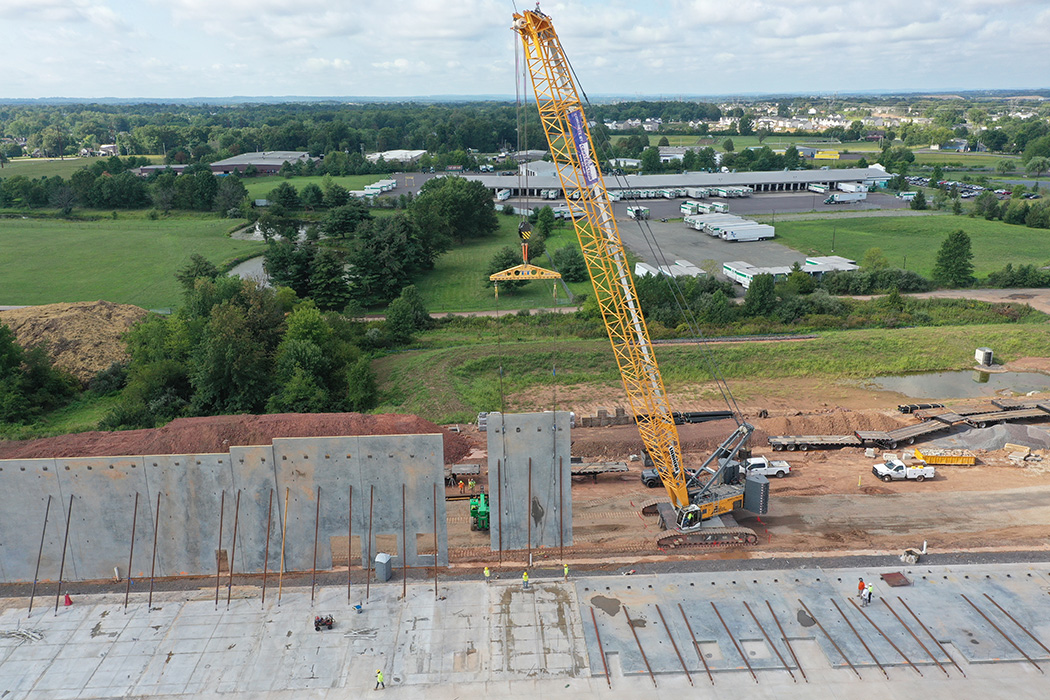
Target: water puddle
x=964 y=384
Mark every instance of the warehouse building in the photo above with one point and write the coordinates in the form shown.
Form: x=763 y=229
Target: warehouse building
x=545 y=178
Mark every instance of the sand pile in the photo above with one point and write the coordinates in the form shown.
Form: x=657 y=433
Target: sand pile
x=82 y=338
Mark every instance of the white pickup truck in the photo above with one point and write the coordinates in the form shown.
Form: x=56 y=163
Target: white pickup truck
x=895 y=470
x=767 y=467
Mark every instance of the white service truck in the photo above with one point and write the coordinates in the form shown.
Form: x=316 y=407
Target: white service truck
x=767 y=467
x=896 y=470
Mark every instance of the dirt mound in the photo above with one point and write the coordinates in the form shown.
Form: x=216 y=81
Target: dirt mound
x=218 y=433
x=82 y=338
x=834 y=422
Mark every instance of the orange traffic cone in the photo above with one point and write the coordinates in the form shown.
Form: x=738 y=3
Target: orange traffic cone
x=69 y=601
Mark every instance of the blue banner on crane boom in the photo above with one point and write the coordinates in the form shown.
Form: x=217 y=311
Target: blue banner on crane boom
x=588 y=168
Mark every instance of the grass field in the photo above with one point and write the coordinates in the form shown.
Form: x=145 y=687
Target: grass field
x=83 y=414
x=259 y=187
x=39 y=167
x=127 y=260
x=918 y=239
x=458 y=281
x=965 y=160
x=453 y=384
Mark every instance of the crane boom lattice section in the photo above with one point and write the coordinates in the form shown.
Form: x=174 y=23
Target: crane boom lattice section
x=572 y=151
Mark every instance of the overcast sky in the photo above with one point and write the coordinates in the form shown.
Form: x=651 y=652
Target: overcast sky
x=217 y=48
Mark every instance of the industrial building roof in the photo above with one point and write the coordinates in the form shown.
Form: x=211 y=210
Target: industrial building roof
x=264 y=158
x=700 y=179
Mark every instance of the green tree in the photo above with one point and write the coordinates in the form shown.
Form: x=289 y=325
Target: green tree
x=406 y=315
x=874 y=259
x=230 y=193
x=954 y=266
x=231 y=372
x=728 y=145
x=343 y=221
x=453 y=209
x=29 y=385
x=650 y=160
x=386 y=254
x=362 y=392
x=329 y=285
x=1005 y=166
x=664 y=141
x=285 y=195
x=312 y=197
x=919 y=201
x=504 y=259
x=198 y=266
x=544 y=223
x=570 y=263
x=761 y=297
x=1037 y=165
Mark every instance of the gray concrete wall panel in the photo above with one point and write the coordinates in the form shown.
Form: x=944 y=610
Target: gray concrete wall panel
x=514 y=440
x=196 y=491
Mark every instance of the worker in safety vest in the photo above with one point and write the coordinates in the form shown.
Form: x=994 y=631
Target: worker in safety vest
x=524 y=580
x=488 y=574
x=379 y=680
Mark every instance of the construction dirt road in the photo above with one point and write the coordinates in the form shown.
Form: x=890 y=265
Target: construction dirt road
x=831 y=502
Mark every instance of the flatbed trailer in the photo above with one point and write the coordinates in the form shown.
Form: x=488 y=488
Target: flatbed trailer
x=889 y=439
x=593 y=469
x=983 y=420
x=808 y=442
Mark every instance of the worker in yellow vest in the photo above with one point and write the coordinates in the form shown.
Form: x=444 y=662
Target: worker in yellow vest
x=525 y=580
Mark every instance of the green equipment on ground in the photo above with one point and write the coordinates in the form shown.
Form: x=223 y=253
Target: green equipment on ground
x=479 y=512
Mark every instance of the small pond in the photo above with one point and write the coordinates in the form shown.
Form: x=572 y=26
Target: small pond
x=964 y=384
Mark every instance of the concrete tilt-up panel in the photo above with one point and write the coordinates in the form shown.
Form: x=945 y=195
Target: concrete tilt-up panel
x=530 y=480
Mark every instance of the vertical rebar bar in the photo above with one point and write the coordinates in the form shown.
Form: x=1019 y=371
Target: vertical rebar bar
x=284 y=537
x=350 y=539
x=696 y=644
x=65 y=542
x=317 y=530
x=630 y=625
x=435 y=501
x=40 y=553
x=769 y=640
x=528 y=515
x=233 y=549
x=368 y=561
x=673 y=643
x=499 y=511
x=884 y=636
x=935 y=640
x=830 y=638
x=218 y=551
x=404 y=547
x=561 y=515
x=266 y=554
x=601 y=651
x=131 y=554
x=787 y=642
x=915 y=637
x=860 y=639
x=153 y=565
x=732 y=638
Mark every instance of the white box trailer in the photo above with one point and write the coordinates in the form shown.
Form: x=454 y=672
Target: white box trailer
x=689 y=207
x=670 y=193
x=846 y=197
x=748 y=233
x=817 y=187
x=696 y=192
x=713 y=207
x=549 y=194
x=638 y=212
x=852 y=187
x=503 y=195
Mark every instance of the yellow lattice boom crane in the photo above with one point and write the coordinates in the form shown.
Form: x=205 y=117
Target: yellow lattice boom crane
x=716 y=487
